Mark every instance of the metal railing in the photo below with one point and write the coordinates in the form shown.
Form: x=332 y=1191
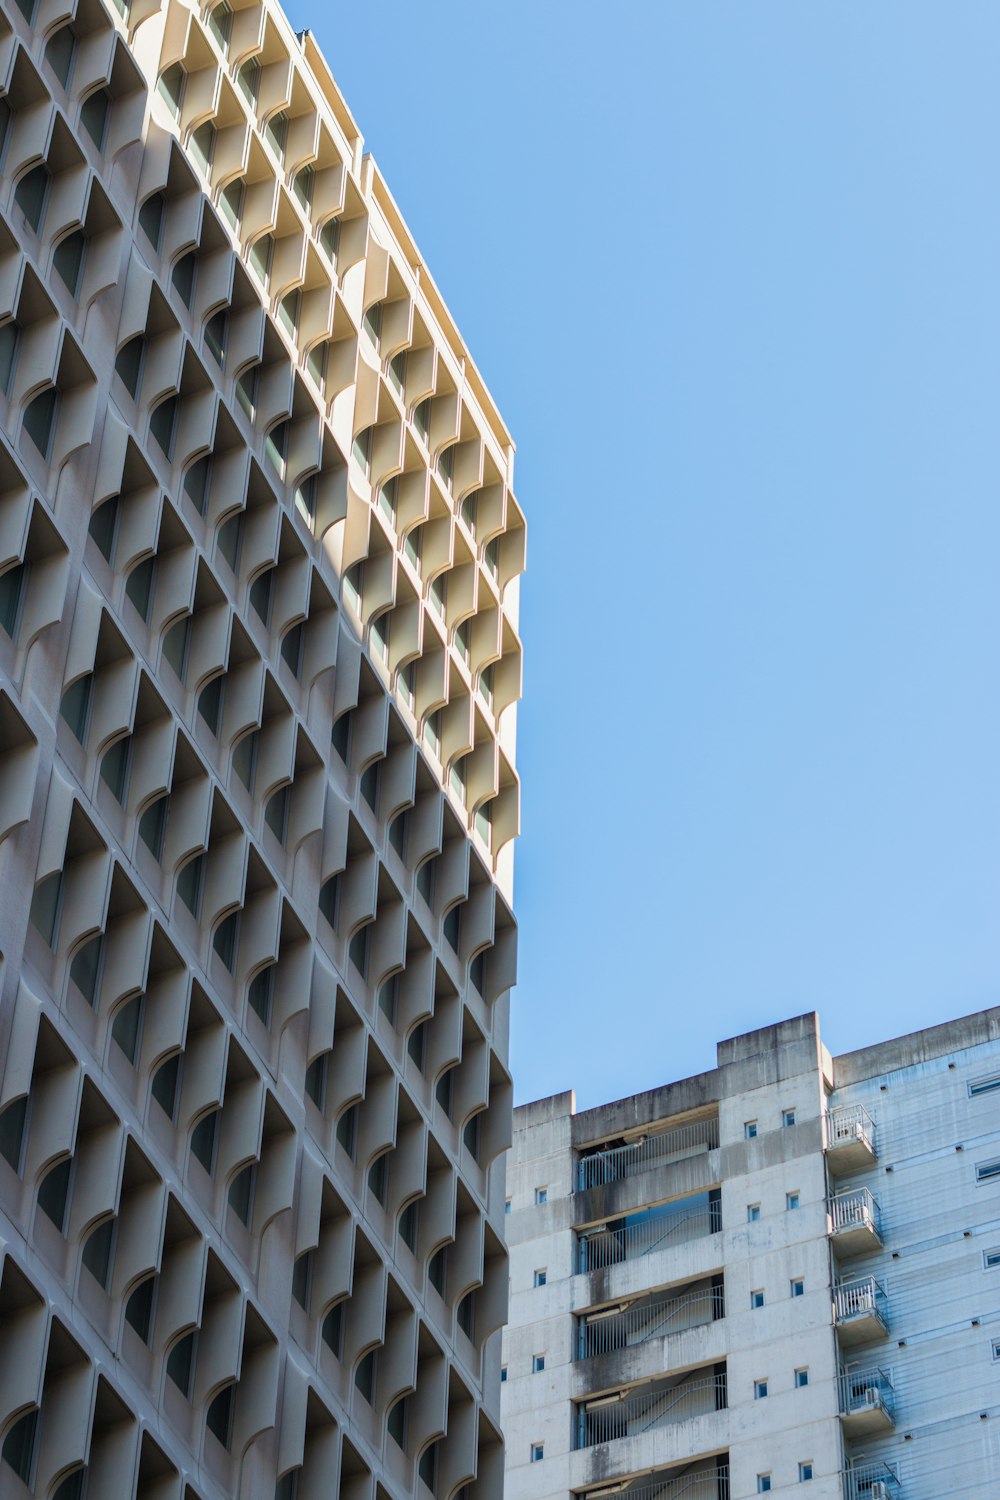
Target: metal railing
x=862 y=1294
x=857 y=1208
x=654 y=1150
x=639 y=1234
x=871 y=1482
x=622 y=1329
x=610 y=1417
x=849 y=1123
x=864 y=1391
x=708 y=1484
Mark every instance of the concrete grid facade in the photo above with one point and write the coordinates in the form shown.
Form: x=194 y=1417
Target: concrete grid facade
x=785 y=1271
x=259 y=666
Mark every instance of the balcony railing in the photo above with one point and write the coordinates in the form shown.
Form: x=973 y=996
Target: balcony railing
x=866 y=1393
x=875 y=1481
x=649 y=1230
x=850 y=1137
x=640 y=1155
x=624 y=1328
x=707 y=1484
x=859 y=1305
x=855 y=1220
x=628 y=1415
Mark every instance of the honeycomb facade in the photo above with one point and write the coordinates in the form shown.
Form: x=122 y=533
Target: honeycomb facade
x=259 y=667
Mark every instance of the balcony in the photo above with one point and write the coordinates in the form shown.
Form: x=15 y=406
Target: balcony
x=626 y=1325
x=659 y=1404
x=850 y=1140
x=648 y=1230
x=707 y=1482
x=868 y=1481
x=859 y=1310
x=855 y=1222
x=866 y=1402
x=613 y=1163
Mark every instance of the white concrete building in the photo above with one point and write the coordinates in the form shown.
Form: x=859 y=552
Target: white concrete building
x=785 y=1271
x=259 y=668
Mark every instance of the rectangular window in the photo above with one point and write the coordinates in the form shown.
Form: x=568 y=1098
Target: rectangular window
x=541 y=1195
x=798 y=1287
x=805 y=1472
x=991 y=1259
x=763 y=1484
x=503 y=1374
x=996 y=1349
x=541 y=1277
x=988 y=1171
x=988 y=1085
x=759 y=1390
x=537 y=1452
x=753 y=1212
x=787 y=1118
x=791 y=1200
x=750 y=1130
x=801 y=1379
x=507 y=1205
x=537 y=1364
x=757 y=1298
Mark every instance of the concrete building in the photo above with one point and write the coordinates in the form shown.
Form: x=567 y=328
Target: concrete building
x=782 y=1271
x=259 y=665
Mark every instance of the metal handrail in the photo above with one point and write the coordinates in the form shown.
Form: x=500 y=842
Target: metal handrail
x=603 y=1420
x=634 y=1325
x=618 y=1162
x=859 y=1295
x=855 y=1208
x=709 y=1484
x=608 y=1246
x=860 y=1390
x=847 y=1123
x=860 y=1480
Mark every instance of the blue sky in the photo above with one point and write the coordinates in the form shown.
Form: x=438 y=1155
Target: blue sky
x=732 y=272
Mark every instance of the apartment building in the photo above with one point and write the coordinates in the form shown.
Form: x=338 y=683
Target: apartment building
x=259 y=666
x=784 y=1271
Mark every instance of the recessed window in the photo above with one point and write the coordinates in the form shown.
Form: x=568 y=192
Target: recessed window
x=19 y=1446
x=503 y=1374
x=801 y=1378
x=805 y=1471
x=763 y=1484
x=139 y=1308
x=13 y=1120
x=164 y=1087
x=759 y=1390
x=248 y=82
x=170 y=87
x=347 y=1130
x=219 y=1417
x=753 y=1212
x=797 y=1286
x=126 y=1028
x=757 y=1298
x=537 y=1452
x=53 y=1193
x=241 y=1191
x=67 y=260
x=541 y=1195
x=205 y=1139
x=40 y=421
x=151 y=218
x=787 y=1118
x=541 y=1277
x=988 y=1171
x=61 y=52
x=332 y=1331
x=537 y=1364
x=991 y=1259
x=988 y=1085
x=996 y=1349
x=750 y=1130
x=791 y=1200
x=180 y=1363
x=508 y=1205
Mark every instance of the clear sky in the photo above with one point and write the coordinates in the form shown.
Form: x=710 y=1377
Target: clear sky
x=732 y=272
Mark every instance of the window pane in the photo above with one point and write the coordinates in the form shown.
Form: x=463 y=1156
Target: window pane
x=39 y=421
x=8 y=350
x=60 y=52
x=126 y=1026
x=68 y=260
x=94 y=116
x=11 y=595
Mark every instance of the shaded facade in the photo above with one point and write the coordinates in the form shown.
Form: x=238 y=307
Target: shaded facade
x=780 y=1272
x=259 y=666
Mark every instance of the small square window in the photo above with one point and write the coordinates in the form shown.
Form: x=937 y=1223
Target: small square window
x=791 y=1200
x=753 y=1212
x=805 y=1472
x=798 y=1287
x=537 y=1452
x=541 y=1277
x=801 y=1379
x=750 y=1129
x=541 y=1195
x=507 y=1204
x=537 y=1364
x=763 y=1483
x=503 y=1374
x=757 y=1298
x=787 y=1118
x=759 y=1390
x=996 y=1349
